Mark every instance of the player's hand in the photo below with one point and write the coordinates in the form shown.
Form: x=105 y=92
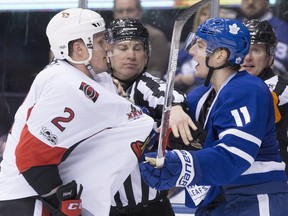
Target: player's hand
x=178 y=170
x=66 y=200
x=180 y=124
x=199 y=137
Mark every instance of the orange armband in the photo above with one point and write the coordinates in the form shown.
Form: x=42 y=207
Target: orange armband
x=277 y=112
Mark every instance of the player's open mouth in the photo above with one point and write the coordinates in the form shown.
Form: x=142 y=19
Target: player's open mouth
x=248 y=66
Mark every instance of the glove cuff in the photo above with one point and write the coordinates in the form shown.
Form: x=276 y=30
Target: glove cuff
x=187 y=173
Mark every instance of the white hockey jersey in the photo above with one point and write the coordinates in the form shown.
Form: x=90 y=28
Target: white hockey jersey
x=69 y=120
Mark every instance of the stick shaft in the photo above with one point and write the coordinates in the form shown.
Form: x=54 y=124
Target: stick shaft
x=181 y=19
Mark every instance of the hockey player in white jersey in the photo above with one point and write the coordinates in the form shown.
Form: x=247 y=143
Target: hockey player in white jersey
x=240 y=156
x=72 y=139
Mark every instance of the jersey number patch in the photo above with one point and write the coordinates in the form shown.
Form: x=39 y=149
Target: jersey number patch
x=56 y=121
x=237 y=116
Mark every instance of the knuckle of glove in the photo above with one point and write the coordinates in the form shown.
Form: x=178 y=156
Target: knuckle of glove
x=167 y=175
x=149 y=174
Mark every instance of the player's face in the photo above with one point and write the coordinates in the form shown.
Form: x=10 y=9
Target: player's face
x=253 y=8
x=129 y=59
x=256 y=60
x=198 y=51
x=126 y=9
x=99 y=53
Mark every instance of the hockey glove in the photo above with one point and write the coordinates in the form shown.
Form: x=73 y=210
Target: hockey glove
x=66 y=200
x=199 y=137
x=178 y=170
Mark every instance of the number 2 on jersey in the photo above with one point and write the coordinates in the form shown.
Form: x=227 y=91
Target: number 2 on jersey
x=56 y=121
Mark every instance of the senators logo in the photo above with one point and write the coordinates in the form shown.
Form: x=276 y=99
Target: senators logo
x=89 y=91
x=134 y=113
x=137 y=148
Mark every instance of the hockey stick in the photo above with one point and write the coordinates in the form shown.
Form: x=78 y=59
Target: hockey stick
x=181 y=19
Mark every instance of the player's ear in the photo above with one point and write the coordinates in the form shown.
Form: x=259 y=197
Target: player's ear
x=79 y=47
x=79 y=51
x=222 y=55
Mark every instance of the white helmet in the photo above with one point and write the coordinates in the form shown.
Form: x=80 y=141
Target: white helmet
x=72 y=24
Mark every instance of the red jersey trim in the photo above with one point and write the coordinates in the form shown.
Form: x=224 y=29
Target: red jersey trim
x=31 y=152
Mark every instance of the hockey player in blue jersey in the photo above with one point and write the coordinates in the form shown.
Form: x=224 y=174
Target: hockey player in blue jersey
x=240 y=157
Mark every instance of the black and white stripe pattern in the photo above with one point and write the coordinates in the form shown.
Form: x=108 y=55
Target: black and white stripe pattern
x=146 y=91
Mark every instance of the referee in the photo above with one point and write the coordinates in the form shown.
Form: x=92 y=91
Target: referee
x=128 y=65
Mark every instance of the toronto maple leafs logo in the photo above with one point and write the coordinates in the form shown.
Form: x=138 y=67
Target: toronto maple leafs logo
x=233 y=29
x=238 y=60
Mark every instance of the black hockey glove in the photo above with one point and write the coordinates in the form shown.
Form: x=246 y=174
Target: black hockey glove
x=199 y=137
x=66 y=200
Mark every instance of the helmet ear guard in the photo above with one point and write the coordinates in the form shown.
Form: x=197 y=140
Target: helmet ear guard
x=73 y=24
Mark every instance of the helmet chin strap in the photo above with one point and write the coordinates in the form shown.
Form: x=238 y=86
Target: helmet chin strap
x=211 y=69
x=86 y=62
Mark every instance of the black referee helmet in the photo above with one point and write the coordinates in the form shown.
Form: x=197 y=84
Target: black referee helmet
x=262 y=32
x=129 y=29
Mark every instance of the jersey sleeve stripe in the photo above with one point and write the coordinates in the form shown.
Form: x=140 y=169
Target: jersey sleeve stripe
x=242 y=135
x=237 y=152
x=41 y=155
x=264 y=166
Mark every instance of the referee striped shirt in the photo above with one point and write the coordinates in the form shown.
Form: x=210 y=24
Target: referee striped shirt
x=146 y=91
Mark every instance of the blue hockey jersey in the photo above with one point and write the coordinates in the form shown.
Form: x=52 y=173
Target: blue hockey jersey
x=241 y=146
